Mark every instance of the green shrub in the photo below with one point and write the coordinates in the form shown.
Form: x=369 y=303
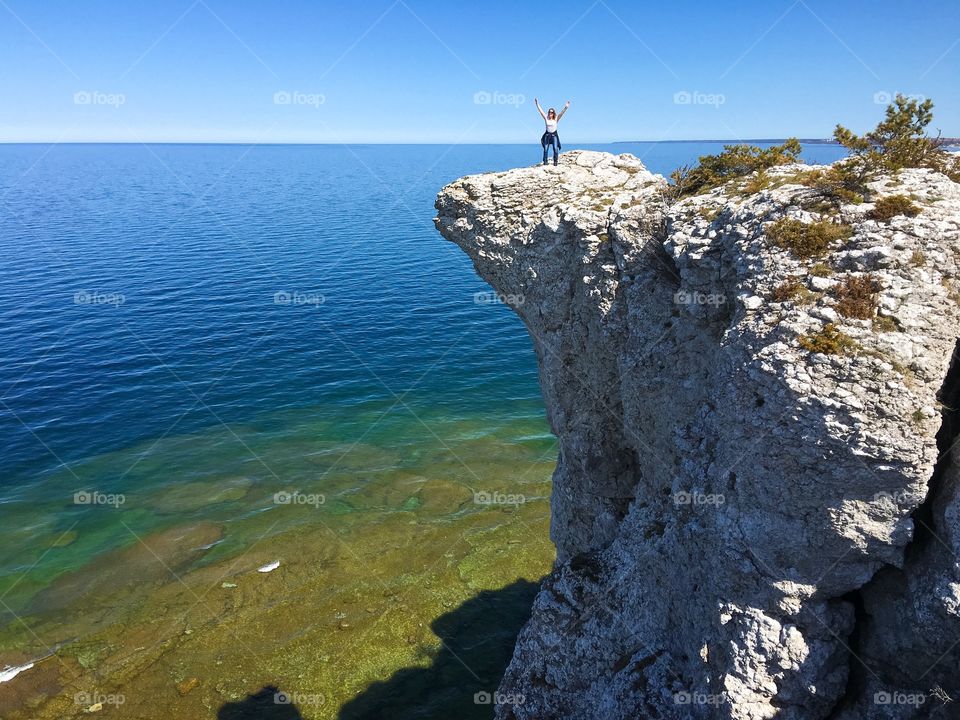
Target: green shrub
x=828 y=341
x=760 y=181
x=710 y=214
x=806 y=240
x=791 y=289
x=951 y=167
x=857 y=297
x=821 y=269
x=899 y=141
x=952 y=292
x=735 y=161
x=881 y=323
x=838 y=184
x=893 y=205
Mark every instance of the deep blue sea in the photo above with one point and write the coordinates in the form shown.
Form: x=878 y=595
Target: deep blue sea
x=218 y=322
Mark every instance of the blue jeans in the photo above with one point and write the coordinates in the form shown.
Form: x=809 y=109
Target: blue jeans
x=550 y=140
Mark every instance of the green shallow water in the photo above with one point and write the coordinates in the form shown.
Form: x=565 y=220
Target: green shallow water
x=365 y=459
x=398 y=588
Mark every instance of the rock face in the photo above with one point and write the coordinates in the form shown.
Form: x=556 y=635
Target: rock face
x=745 y=528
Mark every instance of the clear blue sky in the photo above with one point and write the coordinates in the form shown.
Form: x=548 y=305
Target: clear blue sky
x=411 y=70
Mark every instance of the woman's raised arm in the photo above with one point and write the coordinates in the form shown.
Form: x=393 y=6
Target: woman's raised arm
x=539 y=109
x=562 y=111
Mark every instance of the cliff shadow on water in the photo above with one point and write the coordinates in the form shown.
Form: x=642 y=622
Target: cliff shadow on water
x=478 y=639
x=268 y=703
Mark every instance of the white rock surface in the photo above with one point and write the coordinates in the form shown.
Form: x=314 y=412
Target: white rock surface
x=736 y=518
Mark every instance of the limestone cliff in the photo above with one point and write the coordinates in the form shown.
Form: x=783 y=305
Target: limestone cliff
x=745 y=528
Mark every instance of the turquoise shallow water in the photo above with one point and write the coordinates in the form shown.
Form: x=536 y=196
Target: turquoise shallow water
x=197 y=328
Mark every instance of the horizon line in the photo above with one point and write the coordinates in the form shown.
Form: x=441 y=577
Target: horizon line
x=366 y=142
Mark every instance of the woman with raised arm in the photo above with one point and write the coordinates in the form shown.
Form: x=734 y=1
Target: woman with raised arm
x=550 y=138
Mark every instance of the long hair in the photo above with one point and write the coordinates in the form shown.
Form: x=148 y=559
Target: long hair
x=551 y=113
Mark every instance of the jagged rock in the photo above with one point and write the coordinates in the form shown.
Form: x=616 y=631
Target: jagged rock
x=737 y=519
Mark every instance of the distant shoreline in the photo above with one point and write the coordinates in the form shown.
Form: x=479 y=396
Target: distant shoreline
x=950 y=142
x=804 y=141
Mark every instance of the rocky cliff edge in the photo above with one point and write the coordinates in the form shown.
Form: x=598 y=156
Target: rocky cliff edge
x=755 y=502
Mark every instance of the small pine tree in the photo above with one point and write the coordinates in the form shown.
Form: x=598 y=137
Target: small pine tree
x=735 y=161
x=899 y=141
